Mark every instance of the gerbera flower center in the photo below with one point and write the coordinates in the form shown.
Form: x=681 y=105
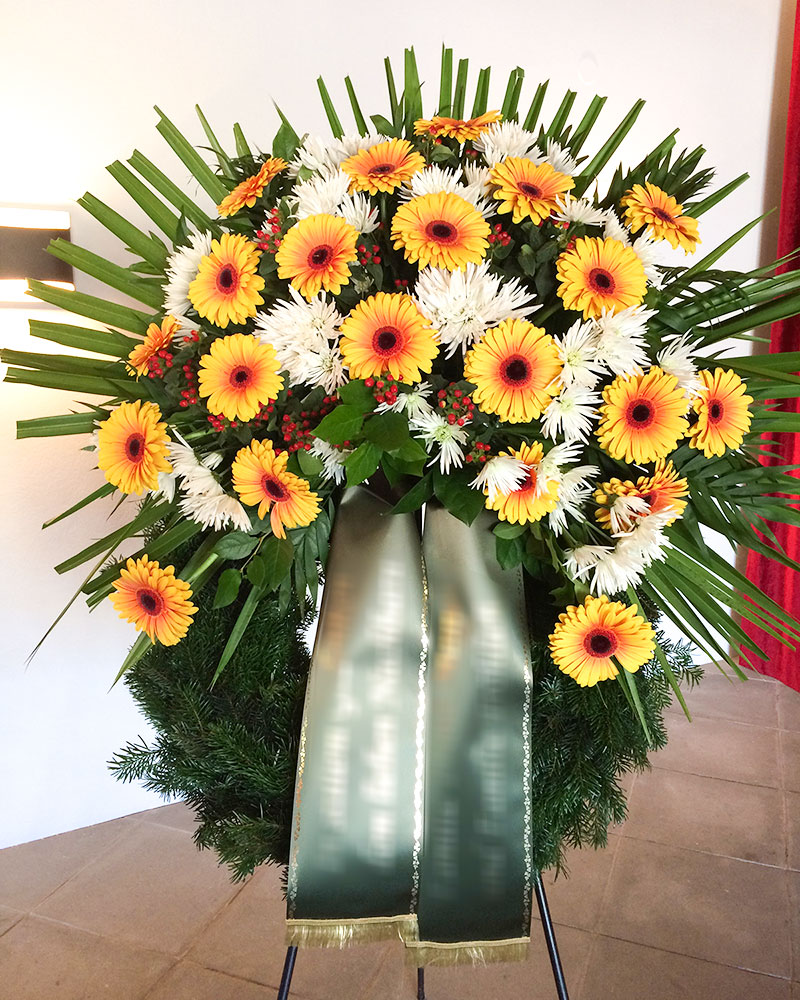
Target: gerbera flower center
x=151 y=602
x=715 y=412
x=601 y=280
x=442 y=232
x=241 y=376
x=530 y=189
x=600 y=643
x=382 y=168
x=274 y=489
x=650 y=498
x=320 y=256
x=386 y=341
x=528 y=483
x=516 y=371
x=134 y=447
x=640 y=413
x=227 y=282
x=659 y=213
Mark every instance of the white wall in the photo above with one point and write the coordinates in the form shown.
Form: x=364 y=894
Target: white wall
x=79 y=81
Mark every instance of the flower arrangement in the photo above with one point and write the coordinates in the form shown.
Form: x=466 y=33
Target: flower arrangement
x=459 y=308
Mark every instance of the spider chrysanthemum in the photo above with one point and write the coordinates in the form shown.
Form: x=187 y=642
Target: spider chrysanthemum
x=383 y=167
x=260 y=478
x=154 y=600
x=653 y=208
x=441 y=230
x=247 y=193
x=599 y=274
x=525 y=503
x=387 y=333
x=133 y=446
x=723 y=413
x=239 y=375
x=316 y=253
x=643 y=416
x=226 y=289
x=527 y=189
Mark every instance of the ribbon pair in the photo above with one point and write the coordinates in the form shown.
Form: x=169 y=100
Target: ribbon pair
x=412 y=812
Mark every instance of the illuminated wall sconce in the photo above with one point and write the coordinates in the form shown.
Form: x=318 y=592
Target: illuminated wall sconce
x=24 y=236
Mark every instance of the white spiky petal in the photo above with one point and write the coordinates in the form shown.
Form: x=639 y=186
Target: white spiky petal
x=202 y=497
x=501 y=475
x=560 y=158
x=413 y=403
x=571 y=413
x=577 y=352
x=677 y=359
x=502 y=139
x=578 y=210
x=321 y=154
x=574 y=490
x=621 y=343
x=305 y=338
x=332 y=459
x=181 y=269
x=450 y=439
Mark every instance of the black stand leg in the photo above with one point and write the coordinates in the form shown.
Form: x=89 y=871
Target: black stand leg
x=288 y=969
x=420 y=984
x=550 y=938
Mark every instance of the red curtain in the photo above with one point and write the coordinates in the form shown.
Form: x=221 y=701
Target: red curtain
x=783 y=584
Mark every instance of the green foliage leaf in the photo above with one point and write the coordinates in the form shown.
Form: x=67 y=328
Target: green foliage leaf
x=362 y=463
x=357 y=395
x=342 y=424
x=277 y=555
x=418 y=494
x=387 y=430
x=235 y=545
x=455 y=493
x=230 y=580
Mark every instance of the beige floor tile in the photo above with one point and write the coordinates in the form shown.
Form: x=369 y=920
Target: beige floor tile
x=530 y=980
x=793 y=829
x=716 y=697
x=708 y=814
x=187 y=981
x=619 y=970
x=176 y=815
x=30 y=872
x=794 y=911
x=719 y=748
x=42 y=960
x=576 y=900
x=719 y=909
x=790 y=749
x=153 y=889
x=788 y=707
x=8 y=918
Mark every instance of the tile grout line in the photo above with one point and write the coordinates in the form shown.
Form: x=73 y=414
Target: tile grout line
x=710 y=854
x=786 y=887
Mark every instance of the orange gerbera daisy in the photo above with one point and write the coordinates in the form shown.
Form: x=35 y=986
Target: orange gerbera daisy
x=643 y=416
x=527 y=189
x=599 y=274
x=455 y=128
x=388 y=333
x=315 y=254
x=514 y=367
x=723 y=413
x=132 y=447
x=523 y=504
x=383 y=167
x=154 y=600
x=239 y=375
x=441 y=230
x=586 y=638
x=251 y=189
x=260 y=477
x=662 y=491
x=157 y=338
x=226 y=287
x=650 y=206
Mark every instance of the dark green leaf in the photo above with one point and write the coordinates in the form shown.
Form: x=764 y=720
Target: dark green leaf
x=362 y=463
x=227 y=587
x=342 y=424
x=235 y=545
x=387 y=430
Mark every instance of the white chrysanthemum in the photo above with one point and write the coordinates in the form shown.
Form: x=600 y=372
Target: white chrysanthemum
x=434 y=430
x=548 y=470
x=574 y=490
x=624 y=512
x=571 y=413
x=445 y=180
x=560 y=158
x=650 y=253
x=614 y=230
x=202 y=497
x=611 y=570
x=579 y=210
x=167 y=482
x=676 y=359
x=324 y=367
x=581 y=561
x=502 y=139
x=620 y=340
x=479 y=178
x=304 y=336
x=463 y=305
x=332 y=459
x=413 y=402
x=359 y=212
x=182 y=268
x=501 y=475
x=321 y=155
x=320 y=195
x=577 y=351
x=195 y=475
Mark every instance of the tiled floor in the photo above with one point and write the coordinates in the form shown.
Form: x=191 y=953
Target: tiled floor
x=697 y=895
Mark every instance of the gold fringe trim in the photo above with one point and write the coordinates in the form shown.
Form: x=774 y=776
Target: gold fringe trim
x=422 y=953
x=343 y=933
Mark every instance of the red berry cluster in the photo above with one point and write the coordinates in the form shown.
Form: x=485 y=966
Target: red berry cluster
x=499 y=235
x=189 y=396
x=478 y=453
x=159 y=363
x=384 y=389
x=367 y=256
x=297 y=430
x=401 y=283
x=221 y=424
x=269 y=238
x=455 y=404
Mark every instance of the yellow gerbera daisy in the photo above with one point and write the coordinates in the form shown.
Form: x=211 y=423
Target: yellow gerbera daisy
x=514 y=367
x=239 y=375
x=527 y=189
x=251 y=189
x=597 y=274
x=154 y=600
x=723 y=413
x=315 y=253
x=441 y=230
x=156 y=339
x=588 y=636
x=226 y=287
x=650 y=206
x=661 y=491
x=643 y=416
x=260 y=477
x=456 y=128
x=383 y=167
x=388 y=333
x=523 y=505
x=132 y=447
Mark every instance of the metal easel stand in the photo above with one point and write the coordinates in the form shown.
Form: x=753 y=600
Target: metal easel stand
x=547 y=929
